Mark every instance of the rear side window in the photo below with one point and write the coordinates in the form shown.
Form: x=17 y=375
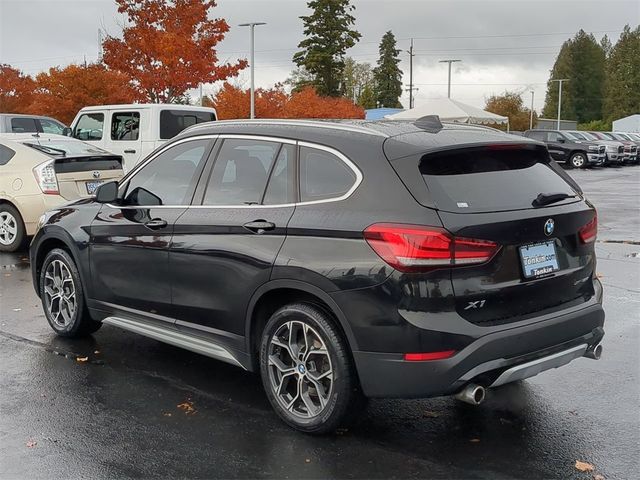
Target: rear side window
x=89 y=127
x=125 y=126
x=6 y=154
x=172 y=122
x=323 y=175
x=20 y=125
x=542 y=136
x=490 y=179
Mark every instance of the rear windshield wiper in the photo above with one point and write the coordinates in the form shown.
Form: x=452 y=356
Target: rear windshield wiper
x=48 y=150
x=549 y=198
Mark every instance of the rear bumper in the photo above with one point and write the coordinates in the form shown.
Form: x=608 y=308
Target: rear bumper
x=483 y=361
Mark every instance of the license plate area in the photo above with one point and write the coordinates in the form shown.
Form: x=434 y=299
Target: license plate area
x=539 y=259
x=93 y=186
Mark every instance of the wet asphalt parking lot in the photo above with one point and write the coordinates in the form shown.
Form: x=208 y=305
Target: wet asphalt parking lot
x=139 y=408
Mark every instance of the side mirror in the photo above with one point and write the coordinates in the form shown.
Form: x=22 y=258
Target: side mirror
x=66 y=131
x=560 y=139
x=107 y=192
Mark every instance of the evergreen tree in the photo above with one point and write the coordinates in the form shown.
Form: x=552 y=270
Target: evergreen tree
x=329 y=34
x=561 y=69
x=387 y=75
x=582 y=61
x=622 y=92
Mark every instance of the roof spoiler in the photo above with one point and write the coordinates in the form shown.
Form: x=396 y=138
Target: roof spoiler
x=429 y=123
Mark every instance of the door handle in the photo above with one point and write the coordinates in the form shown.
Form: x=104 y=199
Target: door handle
x=259 y=226
x=156 y=223
x=129 y=151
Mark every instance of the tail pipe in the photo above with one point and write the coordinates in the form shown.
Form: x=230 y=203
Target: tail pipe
x=472 y=393
x=594 y=352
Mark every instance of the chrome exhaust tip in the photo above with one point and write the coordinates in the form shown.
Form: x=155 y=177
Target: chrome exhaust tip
x=594 y=352
x=472 y=394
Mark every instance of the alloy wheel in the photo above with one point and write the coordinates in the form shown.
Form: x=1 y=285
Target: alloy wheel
x=300 y=370
x=60 y=293
x=8 y=228
x=578 y=161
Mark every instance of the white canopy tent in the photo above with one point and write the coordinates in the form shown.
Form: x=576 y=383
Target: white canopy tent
x=450 y=110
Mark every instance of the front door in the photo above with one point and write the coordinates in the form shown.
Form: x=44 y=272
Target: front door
x=224 y=249
x=556 y=147
x=129 y=246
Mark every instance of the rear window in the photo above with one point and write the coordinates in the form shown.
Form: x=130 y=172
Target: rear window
x=490 y=179
x=6 y=154
x=172 y=122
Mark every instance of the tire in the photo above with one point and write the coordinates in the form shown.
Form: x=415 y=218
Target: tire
x=578 y=160
x=327 y=399
x=62 y=296
x=12 y=231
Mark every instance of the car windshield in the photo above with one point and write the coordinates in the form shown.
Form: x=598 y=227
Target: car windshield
x=572 y=136
x=579 y=135
x=608 y=136
x=588 y=136
x=65 y=148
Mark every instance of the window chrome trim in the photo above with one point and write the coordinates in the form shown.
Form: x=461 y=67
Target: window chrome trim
x=316 y=146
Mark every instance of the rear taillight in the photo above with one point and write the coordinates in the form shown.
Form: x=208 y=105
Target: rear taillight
x=411 y=248
x=422 y=357
x=589 y=232
x=46 y=177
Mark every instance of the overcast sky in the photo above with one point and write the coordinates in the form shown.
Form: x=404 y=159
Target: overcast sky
x=503 y=45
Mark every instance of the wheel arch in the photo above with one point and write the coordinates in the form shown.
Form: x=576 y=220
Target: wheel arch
x=273 y=295
x=51 y=240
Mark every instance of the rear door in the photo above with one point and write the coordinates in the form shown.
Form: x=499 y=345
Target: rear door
x=546 y=258
x=556 y=145
x=224 y=247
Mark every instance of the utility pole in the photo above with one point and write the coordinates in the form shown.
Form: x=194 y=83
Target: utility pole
x=560 y=81
x=531 y=113
x=411 y=55
x=253 y=99
x=449 y=81
x=100 y=40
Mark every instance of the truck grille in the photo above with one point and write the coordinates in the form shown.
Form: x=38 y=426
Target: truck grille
x=621 y=149
x=602 y=149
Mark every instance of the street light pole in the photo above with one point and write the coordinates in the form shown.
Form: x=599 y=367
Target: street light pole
x=560 y=81
x=449 y=81
x=531 y=112
x=252 y=60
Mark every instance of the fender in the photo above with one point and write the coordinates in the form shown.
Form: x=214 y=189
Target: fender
x=304 y=287
x=49 y=232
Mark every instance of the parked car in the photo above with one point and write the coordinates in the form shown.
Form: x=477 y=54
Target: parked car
x=626 y=146
x=614 y=149
x=566 y=148
x=339 y=260
x=40 y=173
x=630 y=146
x=135 y=130
x=17 y=123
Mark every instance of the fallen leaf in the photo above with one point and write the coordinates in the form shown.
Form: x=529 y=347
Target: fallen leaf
x=597 y=476
x=31 y=443
x=573 y=412
x=96 y=352
x=584 y=466
x=307 y=460
x=475 y=440
x=17 y=309
x=599 y=275
x=430 y=414
x=166 y=414
x=187 y=407
x=82 y=359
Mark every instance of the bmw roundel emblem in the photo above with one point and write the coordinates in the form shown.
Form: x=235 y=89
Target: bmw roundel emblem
x=549 y=227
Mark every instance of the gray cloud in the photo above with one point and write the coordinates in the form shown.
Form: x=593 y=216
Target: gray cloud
x=509 y=44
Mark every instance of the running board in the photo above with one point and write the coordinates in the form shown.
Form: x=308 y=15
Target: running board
x=176 y=338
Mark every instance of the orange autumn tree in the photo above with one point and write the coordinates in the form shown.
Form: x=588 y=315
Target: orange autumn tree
x=169 y=47
x=16 y=90
x=233 y=102
x=61 y=92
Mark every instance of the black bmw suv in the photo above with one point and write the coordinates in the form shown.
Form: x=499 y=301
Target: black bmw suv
x=339 y=260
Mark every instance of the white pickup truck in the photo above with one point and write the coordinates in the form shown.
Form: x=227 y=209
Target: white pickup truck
x=135 y=130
